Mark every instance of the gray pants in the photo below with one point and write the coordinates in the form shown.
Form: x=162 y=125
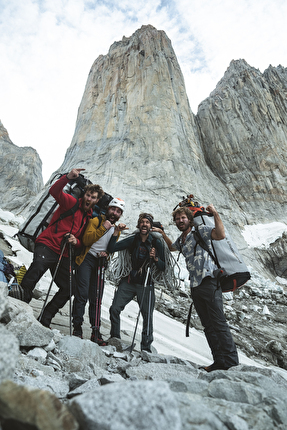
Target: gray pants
x=146 y=300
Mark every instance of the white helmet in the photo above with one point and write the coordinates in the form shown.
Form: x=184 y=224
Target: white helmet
x=118 y=203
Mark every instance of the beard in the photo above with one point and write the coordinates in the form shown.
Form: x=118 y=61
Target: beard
x=113 y=218
x=144 y=230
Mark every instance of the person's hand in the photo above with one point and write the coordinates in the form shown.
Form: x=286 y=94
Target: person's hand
x=152 y=254
x=211 y=209
x=107 y=224
x=102 y=254
x=74 y=173
x=156 y=229
x=120 y=227
x=71 y=239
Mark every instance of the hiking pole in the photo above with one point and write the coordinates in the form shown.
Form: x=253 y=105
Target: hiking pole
x=130 y=348
x=50 y=286
x=71 y=284
x=100 y=291
x=97 y=299
x=149 y=310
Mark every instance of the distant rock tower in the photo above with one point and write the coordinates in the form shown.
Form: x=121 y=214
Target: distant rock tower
x=20 y=173
x=135 y=132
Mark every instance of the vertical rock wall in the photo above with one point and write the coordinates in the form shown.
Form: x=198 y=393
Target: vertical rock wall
x=135 y=132
x=243 y=127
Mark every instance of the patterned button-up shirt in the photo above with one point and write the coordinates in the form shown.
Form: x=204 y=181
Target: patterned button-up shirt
x=199 y=264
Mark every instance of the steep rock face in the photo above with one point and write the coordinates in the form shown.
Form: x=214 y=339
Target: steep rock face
x=135 y=132
x=244 y=133
x=20 y=173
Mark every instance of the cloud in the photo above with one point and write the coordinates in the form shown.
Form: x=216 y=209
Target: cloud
x=47 y=48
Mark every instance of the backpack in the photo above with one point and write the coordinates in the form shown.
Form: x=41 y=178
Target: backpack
x=102 y=206
x=41 y=214
x=8 y=275
x=232 y=272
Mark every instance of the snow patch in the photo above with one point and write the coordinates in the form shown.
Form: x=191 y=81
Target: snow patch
x=262 y=235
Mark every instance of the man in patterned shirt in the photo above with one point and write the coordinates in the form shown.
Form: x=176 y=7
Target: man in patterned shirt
x=206 y=296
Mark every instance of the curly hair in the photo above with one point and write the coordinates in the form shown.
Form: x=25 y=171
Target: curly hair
x=183 y=210
x=94 y=188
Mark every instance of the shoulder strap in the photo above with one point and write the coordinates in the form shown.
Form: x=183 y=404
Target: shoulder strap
x=199 y=241
x=69 y=212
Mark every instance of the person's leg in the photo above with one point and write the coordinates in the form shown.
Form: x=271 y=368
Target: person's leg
x=84 y=275
x=122 y=297
x=43 y=259
x=146 y=301
x=62 y=280
x=209 y=306
x=95 y=301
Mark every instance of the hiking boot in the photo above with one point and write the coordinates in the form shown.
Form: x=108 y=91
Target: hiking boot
x=44 y=322
x=214 y=366
x=78 y=332
x=97 y=338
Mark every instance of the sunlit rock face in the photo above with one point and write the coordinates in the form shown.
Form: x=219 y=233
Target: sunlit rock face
x=20 y=173
x=135 y=132
x=244 y=133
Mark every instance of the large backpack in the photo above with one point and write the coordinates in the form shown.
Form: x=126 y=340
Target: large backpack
x=41 y=214
x=232 y=272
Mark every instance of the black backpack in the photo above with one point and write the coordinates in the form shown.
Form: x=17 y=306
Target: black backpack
x=42 y=213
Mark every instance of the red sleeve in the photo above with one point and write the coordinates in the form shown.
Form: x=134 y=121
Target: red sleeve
x=66 y=201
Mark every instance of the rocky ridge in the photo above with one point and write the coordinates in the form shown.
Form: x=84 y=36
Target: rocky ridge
x=20 y=173
x=244 y=132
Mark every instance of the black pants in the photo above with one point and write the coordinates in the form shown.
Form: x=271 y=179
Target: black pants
x=124 y=294
x=208 y=303
x=89 y=286
x=44 y=258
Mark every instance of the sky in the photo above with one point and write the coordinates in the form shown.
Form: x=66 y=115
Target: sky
x=47 y=48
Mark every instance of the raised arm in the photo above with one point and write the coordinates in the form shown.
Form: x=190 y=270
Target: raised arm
x=218 y=233
x=165 y=238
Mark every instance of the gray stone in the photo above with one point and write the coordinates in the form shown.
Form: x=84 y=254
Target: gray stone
x=159 y=371
x=53 y=383
x=29 y=331
x=9 y=353
x=13 y=308
x=129 y=405
x=3 y=298
x=38 y=354
x=88 y=386
x=83 y=350
x=27 y=365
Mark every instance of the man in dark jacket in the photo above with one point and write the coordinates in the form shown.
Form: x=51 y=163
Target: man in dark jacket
x=49 y=244
x=144 y=250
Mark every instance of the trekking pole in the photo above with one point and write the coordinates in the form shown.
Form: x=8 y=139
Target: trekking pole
x=100 y=292
x=149 y=310
x=50 y=286
x=130 y=348
x=97 y=299
x=71 y=285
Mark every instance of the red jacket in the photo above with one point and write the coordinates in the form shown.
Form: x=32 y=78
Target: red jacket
x=74 y=224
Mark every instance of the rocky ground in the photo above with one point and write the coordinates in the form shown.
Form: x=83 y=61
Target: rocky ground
x=256 y=314
x=50 y=380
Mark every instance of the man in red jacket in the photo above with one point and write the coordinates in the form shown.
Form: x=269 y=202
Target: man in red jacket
x=49 y=243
